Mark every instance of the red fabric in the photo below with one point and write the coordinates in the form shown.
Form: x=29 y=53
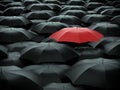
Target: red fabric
x=76 y=35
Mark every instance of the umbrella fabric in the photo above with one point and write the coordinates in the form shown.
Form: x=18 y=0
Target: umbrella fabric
x=85 y=52
x=11 y=35
x=49 y=73
x=49 y=40
x=18 y=46
x=102 y=8
x=67 y=19
x=13 y=11
x=44 y=15
x=113 y=48
x=77 y=13
x=103 y=1
x=73 y=7
x=34 y=7
x=103 y=41
x=14 y=78
x=55 y=7
x=52 y=2
x=93 y=5
x=61 y=86
x=94 y=18
x=15 y=21
x=29 y=2
x=3 y=52
x=76 y=2
x=116 y=19
x=76 y=35
x=111 y=12
x=48 y=27
x=13 y=59
x=14 y=4
x=2 y=7
x=99 y=72
x=49 y=53
x=106 y=28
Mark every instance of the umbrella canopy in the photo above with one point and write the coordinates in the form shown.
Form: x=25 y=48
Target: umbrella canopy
x=103 y=41
x=73 y=7
x=15 y=21
x=30 y=2
x=14 y=4
x=113 y=48
x=76 y=2
x=55 y=7
x=49 y=73
x=49 y=53
x=76 y=35
x=13 y=59
x=67 y=19
x=39 y=6
x=3 y=52
x=44 y=15
x=11 y=35
x=116 y=19
x=61 y=86
x=102 y=8
x=52 y=2
x=18 y=46
x=106 y=28
x=14 y=78
x=93 y=5
x=94 y=18
x=77 y=13
x=48 y=27
x=103 y=1
x=111 y=12
x=13 y=11
x=99 y=72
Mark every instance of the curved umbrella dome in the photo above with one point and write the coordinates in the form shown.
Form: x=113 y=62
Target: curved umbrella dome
x=10 y=35
x=49 y=53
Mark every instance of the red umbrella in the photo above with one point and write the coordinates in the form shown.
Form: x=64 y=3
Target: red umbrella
x=76 y=35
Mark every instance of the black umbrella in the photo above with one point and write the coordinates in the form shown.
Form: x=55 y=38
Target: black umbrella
x=34 y=7
x=75 y=2
x=2 y=7
x=77 y=13
x=13 y=59
x=61 y=86
x=99 y=72
x=49 y=53
x=94 y=18
x=103 y=1
x=102 y=8
x=3 y=52
x=73 y=7
x=52 y=2
x=11 y=35
x=55 y=7
x=14 y=11
x=30 y=2
x=67 y=19
x=49 y=40
x=44 y=15
x=116 y=19
x=14 y=4
x=103 y=41
x=48 y=27
x=106 y=28
x=113 y=48
x=93 y=5
x=15 y=21
x=85 y=52
x=14 y=78
x=49 y=73
x=18 y=46
x=111 y=12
